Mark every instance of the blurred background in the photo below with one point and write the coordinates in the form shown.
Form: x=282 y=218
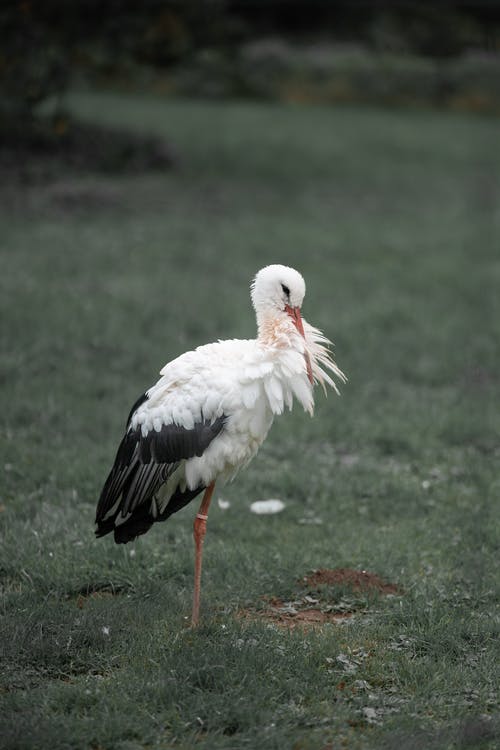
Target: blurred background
x=417 y=54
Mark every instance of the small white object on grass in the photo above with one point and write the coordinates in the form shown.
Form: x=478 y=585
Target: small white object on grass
x=267 y=507
x=370 y=715
x=223 y=504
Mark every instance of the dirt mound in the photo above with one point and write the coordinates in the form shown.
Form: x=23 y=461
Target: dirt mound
x=307 y=611
x=357 y=580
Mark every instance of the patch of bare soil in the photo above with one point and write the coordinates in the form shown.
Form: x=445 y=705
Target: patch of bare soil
x=357 y=580
x=313 y=611
x=294 y=614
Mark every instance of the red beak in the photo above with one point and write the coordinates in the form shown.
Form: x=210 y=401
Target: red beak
x=294 y=313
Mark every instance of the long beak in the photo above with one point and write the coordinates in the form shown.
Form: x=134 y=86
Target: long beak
x=294 y=313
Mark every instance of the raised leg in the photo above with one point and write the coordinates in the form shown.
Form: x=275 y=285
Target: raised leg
x=199 y=531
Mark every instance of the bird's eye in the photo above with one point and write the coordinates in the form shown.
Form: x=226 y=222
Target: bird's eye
x=286 y=290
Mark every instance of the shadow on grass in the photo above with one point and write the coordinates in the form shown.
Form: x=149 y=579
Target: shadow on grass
x=41 y=151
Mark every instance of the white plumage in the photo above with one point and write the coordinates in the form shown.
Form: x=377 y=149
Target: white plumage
x=212 y=408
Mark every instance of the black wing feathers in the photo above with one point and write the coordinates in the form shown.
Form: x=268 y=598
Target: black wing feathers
x=142 y=464
x=138 y=403
x=142 y=520
x=174 y=443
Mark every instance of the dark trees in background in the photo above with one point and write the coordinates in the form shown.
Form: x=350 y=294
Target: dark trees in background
x=421 y=27
x=43 y=42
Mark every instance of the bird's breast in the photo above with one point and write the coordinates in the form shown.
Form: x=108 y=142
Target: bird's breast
x=244 y=432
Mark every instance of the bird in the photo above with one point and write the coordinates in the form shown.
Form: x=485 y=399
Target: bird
x=210 y=411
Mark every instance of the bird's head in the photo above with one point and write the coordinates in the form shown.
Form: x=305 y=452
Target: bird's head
x=277 y=294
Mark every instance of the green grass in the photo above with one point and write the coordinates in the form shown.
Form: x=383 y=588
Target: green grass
x=394 y=220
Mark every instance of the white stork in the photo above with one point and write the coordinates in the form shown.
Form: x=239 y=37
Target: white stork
x=210 y=411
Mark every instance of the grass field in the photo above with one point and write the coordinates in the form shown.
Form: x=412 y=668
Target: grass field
x=393 y=218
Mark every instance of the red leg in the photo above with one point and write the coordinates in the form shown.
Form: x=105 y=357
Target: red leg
x=200 y=529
